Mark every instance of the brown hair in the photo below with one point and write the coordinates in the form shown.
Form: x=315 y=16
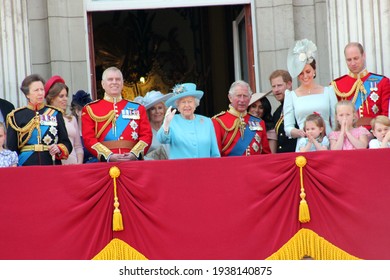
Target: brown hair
x=54 y=91
x=355 y=44
x=281 y=73
x=319 y=121
x=25 y=87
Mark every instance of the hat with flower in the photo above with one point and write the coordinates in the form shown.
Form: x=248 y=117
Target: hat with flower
x=303 y=52
x=183 y=90
x=152 y=98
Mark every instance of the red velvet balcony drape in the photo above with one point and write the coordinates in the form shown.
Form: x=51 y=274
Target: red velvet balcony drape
x=219 y=208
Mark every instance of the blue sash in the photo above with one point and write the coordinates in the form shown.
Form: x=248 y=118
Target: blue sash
x=367 y=85
x=23 y=156
x=242 y=144
x=121 y=123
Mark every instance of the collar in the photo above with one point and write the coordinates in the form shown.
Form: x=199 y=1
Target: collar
x=359 y=75
x=234 y=112
x=35 y=107
x=112 y=99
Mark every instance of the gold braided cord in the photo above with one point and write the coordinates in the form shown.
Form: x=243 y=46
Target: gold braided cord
x=278 y=123
x=23 y=131
x=109 y=118
x=357 y=86
x=308 y=243
x=235 y=126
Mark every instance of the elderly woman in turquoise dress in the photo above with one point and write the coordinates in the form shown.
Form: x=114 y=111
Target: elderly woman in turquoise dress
x=309 y=97
x=190 y=135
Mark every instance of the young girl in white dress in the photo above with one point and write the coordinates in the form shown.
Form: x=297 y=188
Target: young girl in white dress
x=315 y=139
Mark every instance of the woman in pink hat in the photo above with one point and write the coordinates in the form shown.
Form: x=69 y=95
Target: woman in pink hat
x=56 y=94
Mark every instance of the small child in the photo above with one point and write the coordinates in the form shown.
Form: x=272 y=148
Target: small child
x=315 y=139
x=7 y=158
x=381 y=130
x=347 y=136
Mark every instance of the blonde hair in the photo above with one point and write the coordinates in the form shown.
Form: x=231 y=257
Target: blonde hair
x=352 y=106
x=2 y=126
x=380 y=119
x=319 y=121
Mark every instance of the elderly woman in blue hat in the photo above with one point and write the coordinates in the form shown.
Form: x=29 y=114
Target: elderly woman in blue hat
x=190 y=135
x=154 y=102
x=309 y=97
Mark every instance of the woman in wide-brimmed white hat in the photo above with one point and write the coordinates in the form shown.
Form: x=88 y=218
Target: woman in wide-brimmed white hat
x=190 y=135
x=154 y=102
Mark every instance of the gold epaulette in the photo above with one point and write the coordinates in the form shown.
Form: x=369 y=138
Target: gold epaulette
x=220 y=114
x=22 y=131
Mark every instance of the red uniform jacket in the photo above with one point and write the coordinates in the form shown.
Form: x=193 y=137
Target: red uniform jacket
x=120 y=127
x=378 y=93
x=227 y=129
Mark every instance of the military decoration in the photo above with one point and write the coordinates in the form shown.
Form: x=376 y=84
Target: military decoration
x=375 y=109
x=253 y=125
x=133 y=125
x=134 y=135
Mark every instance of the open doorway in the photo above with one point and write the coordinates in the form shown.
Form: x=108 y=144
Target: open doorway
x=158 y=48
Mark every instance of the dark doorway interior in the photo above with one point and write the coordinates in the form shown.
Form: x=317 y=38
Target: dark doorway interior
x=156 y=49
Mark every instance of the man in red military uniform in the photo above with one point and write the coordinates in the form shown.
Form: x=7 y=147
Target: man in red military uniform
x=239 y=133
x=368 y=91
x=115 y=129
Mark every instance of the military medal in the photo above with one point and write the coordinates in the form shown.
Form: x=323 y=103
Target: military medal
x=126 y=114
x=257 y=138
x=255 y=147
x=134 y=114
x=134 y=135
x=375 y=109
x=133 y=124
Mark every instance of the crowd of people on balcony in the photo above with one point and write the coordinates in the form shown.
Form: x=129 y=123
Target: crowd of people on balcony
x=352 y=112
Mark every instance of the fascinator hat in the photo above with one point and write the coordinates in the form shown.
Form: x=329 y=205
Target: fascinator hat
x=152 y=98
x=81 y=98
x=183 y=90
x=302 y=53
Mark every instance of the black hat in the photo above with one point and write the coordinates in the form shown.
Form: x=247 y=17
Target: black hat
x=81 y=98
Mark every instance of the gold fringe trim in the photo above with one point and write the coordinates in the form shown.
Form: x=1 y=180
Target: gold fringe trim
x=117 y=223
x=307 y=243
x=304 y=213
x=119 y=250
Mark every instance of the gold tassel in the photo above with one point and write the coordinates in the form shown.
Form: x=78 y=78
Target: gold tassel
x=117 y=223
x=308 y=243
x=304 y=213
x=119 y=250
